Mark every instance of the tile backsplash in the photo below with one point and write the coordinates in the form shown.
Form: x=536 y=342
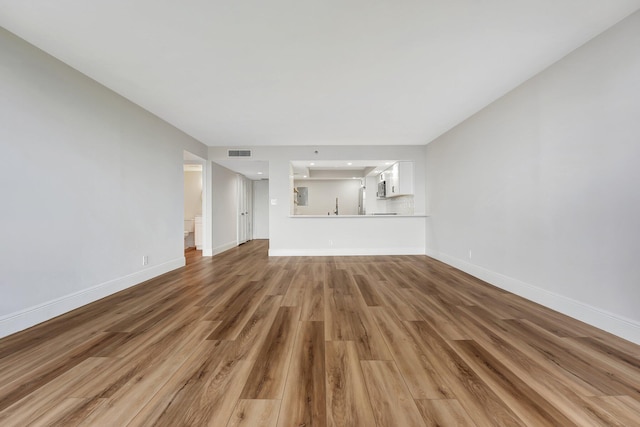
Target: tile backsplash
x=402 y=205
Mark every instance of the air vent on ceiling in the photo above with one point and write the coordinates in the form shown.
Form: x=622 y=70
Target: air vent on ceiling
x=239 y=153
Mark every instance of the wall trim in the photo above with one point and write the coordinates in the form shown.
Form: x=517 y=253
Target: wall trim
x=225 y=247
x=23 y=319
x=618 y=325
x=346 y=251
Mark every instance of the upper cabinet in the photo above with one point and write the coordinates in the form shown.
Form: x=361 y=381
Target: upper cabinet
x=399 y=179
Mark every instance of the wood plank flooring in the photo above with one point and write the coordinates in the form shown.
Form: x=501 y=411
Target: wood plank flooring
x=242 y=339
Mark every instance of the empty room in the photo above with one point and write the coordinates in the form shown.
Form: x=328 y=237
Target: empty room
x=286 y=214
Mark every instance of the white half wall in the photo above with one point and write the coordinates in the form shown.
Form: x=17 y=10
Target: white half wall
x=342 y=235
x=89 y=184
x=538 y=193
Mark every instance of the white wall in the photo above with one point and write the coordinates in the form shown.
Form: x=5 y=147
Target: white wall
x=261 y=209
x=337 y=235
x=538 y=193
x=89 y=183
x=322 y=196
x=224 y=208
x=192 y=194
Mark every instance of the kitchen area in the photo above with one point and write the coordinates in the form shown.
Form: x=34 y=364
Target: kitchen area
x=353 y=188
x=352 y=207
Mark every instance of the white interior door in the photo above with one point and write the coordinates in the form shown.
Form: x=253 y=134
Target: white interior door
x=244 y=209
x=248 y=212
x=260 y=205
x=242 y=236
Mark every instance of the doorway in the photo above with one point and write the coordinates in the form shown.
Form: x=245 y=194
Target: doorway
x=194 y=201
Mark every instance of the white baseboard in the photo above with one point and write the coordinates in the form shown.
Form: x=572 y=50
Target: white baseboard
x=224 y=247
x=607 y=321
x=346 y=251
x=31 y=316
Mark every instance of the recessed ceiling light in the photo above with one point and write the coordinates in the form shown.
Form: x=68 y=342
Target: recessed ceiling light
x=312 y=164
x=259 y=173
x=387 y=163
x=304 y=176
x=349 y=163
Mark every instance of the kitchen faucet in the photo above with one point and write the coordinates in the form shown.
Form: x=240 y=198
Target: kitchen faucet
x=336 y=211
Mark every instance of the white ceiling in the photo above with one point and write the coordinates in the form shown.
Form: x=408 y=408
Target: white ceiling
x=252 y=169
x=333 y=169
x=280 y=72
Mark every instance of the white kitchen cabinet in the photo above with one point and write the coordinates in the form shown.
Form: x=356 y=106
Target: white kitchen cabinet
x=399 y=179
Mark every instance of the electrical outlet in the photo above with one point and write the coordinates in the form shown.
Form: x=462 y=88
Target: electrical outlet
x=145 y=260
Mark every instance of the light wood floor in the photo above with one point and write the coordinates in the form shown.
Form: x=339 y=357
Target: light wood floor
x=242 y=339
